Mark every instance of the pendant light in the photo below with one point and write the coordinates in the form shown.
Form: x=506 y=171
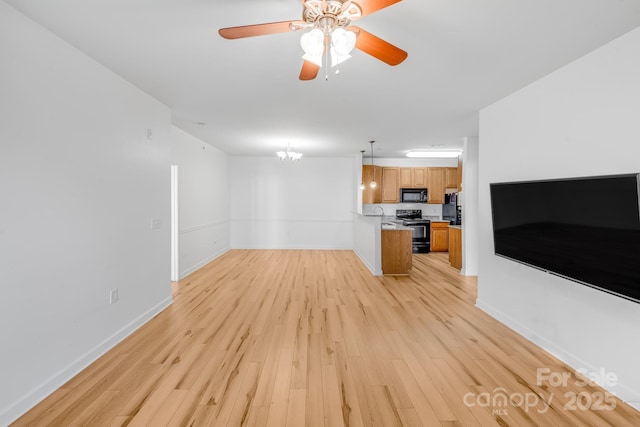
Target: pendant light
x=373 y=181
x=361 y=164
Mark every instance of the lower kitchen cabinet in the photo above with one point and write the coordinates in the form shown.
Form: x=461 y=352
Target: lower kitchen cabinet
x=455 y=247
x=439 y=236
x=397 y=257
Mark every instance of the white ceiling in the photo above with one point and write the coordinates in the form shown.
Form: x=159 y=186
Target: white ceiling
x=244 y=97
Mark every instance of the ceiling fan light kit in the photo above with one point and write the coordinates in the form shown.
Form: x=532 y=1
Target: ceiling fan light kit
x=331 y=34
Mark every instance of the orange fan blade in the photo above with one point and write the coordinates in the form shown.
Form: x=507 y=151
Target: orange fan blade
x=370 y=6
x=309 y=71
x=255 y=30
x=378 y=48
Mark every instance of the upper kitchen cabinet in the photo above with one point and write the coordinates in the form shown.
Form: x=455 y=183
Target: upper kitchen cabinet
x=390 y=185
x=436 y=180
x=420 y=177
x=406 y=177
x=371 y=173
x=413 y=177
x=451 y=178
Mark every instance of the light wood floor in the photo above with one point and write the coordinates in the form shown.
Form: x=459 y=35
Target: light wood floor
x=295 y=338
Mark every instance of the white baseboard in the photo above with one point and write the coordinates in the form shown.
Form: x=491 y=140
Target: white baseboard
x=32 y=398
x=202 y=263
x=621 y=390
x=366 y=263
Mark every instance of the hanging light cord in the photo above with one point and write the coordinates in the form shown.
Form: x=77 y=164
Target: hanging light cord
x=326 y=59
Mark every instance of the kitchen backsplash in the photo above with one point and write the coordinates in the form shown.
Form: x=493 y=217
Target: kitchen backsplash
x=428 y=210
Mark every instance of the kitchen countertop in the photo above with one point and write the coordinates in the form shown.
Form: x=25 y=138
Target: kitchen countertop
x=459 y=227
x=391 y=222
x=394 y=225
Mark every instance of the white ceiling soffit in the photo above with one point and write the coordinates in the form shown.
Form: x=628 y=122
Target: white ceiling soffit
x=244 y=96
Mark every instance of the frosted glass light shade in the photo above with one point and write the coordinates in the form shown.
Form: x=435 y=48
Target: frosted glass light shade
x=343 y=41
x=313 y=42
x=337 y=58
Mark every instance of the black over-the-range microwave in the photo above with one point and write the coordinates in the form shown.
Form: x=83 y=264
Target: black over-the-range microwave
x=413 y=195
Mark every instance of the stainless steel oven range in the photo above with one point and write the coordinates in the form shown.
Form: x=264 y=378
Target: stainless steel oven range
x=421 y=229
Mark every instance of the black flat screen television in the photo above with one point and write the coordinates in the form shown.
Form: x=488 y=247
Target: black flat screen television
x=583 y=229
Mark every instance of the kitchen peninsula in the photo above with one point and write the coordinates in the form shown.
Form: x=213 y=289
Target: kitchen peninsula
x=382 y=244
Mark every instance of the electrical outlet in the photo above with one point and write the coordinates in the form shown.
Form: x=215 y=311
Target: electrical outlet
x=155 y=224
x=113 y=296
x=150 y=134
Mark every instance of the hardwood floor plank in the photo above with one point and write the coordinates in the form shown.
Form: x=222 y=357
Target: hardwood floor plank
x=388 y=411
x=311 y=338
x=350 y=406
x=281 y=389
x=315 y=397
x=333 y=410
x=419 y=401
x=296 y=411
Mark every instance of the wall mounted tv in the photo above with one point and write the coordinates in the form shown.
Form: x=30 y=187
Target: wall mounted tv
x=583 y=229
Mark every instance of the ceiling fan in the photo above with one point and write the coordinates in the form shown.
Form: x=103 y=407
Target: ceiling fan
x=331 y=34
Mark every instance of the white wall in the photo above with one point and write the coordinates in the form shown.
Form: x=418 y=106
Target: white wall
x=303 y=205
x=79 y=186
x=582 y=120
x=367 y=242
x=204 y=231
x=470 y=207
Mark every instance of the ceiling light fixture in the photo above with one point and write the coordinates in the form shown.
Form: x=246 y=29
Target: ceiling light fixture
x=289 y=155
x=329 y=37
x=373 y=183
x=361 y=164
x=434 y=154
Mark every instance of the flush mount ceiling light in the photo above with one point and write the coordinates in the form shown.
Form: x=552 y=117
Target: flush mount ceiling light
x=331 y=37
x=289 y=155
x=434 y=154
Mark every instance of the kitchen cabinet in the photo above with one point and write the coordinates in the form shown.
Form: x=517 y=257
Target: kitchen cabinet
x=371 y=173
x=413 y=177
x=420 y=178
x=455 y=247
x=391 y=179
x=406 y=177
x=439 y=236
x=397 y=258
x=390 y=185
x=451 y=178
x=435 y=185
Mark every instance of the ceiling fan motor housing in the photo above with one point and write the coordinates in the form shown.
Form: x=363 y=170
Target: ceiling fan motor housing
x=335 y=14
